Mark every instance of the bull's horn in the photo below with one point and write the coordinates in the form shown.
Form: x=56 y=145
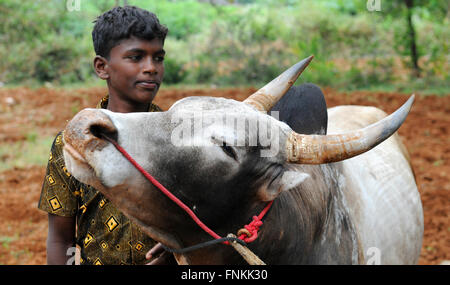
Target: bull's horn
x=266 y=97
x=317 y=149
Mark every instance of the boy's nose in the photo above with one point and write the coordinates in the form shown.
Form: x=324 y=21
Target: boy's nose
x=149 y=66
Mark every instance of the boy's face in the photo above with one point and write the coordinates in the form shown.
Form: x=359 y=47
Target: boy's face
x=134 y=70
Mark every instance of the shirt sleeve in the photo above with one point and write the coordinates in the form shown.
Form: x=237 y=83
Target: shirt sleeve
x=59 y=194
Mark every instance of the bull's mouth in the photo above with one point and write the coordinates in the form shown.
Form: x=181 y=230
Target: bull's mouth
x=74 y=154
x=75 y=161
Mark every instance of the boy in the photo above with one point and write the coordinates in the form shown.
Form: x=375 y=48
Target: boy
x=128 y=42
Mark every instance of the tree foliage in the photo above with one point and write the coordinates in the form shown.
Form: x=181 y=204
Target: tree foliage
x=241 y=41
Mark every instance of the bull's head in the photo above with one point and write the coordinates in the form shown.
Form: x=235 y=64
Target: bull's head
x=214 y=171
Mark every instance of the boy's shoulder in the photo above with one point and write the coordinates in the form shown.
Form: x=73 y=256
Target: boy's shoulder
x=154 y=108
x=56 y=150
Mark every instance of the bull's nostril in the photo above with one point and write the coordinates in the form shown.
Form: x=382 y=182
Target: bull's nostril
x=100 y=131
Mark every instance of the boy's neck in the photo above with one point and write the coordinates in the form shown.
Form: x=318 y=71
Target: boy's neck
x=122 y=106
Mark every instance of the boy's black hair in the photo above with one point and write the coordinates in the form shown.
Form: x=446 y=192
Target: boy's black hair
x=121 y=23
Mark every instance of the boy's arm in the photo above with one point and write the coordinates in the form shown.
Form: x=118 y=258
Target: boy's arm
x=61 y=236
x=59 y=200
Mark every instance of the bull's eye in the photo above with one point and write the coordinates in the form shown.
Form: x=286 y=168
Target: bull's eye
x=229 y=151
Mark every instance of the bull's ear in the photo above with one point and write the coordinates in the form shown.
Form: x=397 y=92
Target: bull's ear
x=288 y=181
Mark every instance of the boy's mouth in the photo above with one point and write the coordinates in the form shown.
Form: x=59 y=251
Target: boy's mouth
x=148 y=84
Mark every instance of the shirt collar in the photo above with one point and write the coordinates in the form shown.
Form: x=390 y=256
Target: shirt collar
x=104 y=103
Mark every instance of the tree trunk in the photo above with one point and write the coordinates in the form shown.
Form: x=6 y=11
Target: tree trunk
x=412 y=38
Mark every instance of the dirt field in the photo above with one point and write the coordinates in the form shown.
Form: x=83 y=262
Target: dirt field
x=23 y=228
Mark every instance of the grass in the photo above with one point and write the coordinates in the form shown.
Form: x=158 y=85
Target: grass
x=418 y=88
x=6 y=240
x=33 y=151
x=35 y=84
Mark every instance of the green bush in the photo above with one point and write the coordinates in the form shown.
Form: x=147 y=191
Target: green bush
x=245 y=44
x=42 y=41
x=175 y=72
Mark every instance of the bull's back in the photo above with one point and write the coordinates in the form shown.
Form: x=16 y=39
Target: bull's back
x=381 y=192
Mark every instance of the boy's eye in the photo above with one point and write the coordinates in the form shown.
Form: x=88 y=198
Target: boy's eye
x=159 y=58
x=134 y=57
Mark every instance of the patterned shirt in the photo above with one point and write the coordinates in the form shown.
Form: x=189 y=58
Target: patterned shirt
x=104 y=234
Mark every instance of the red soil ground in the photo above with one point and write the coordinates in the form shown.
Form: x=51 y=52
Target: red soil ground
x=23 y=228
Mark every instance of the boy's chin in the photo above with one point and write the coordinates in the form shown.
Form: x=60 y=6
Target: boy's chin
x=146 y=95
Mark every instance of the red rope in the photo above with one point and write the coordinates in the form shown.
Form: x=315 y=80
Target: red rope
x=253 y=227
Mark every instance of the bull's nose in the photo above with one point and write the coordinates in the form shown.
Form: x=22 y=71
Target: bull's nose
x=86 y=130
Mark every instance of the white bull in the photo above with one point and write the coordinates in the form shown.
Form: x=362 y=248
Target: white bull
x=335 y=202
x=381 y=192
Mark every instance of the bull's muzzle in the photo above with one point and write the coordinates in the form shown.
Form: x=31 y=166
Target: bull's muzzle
x=85 y=132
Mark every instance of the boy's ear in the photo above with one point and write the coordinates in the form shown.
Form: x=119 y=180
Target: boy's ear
x=100 y=66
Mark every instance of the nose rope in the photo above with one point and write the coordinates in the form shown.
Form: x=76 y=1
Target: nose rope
x=248 y=234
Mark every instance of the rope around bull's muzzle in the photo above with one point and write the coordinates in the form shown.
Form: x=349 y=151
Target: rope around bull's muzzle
x=247 y=234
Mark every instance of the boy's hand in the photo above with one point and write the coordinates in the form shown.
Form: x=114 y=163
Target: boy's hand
x=162 y=257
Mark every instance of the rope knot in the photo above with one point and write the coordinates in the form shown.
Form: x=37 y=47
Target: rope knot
x=250 y=232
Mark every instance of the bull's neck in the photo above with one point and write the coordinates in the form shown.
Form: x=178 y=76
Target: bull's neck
x=220 y=253
x=276 y=237
x=288 y=235
x=308 y=225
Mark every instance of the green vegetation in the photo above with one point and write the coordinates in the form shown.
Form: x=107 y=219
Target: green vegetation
x=400 y=48
x=6 y=240
x=33 y=151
